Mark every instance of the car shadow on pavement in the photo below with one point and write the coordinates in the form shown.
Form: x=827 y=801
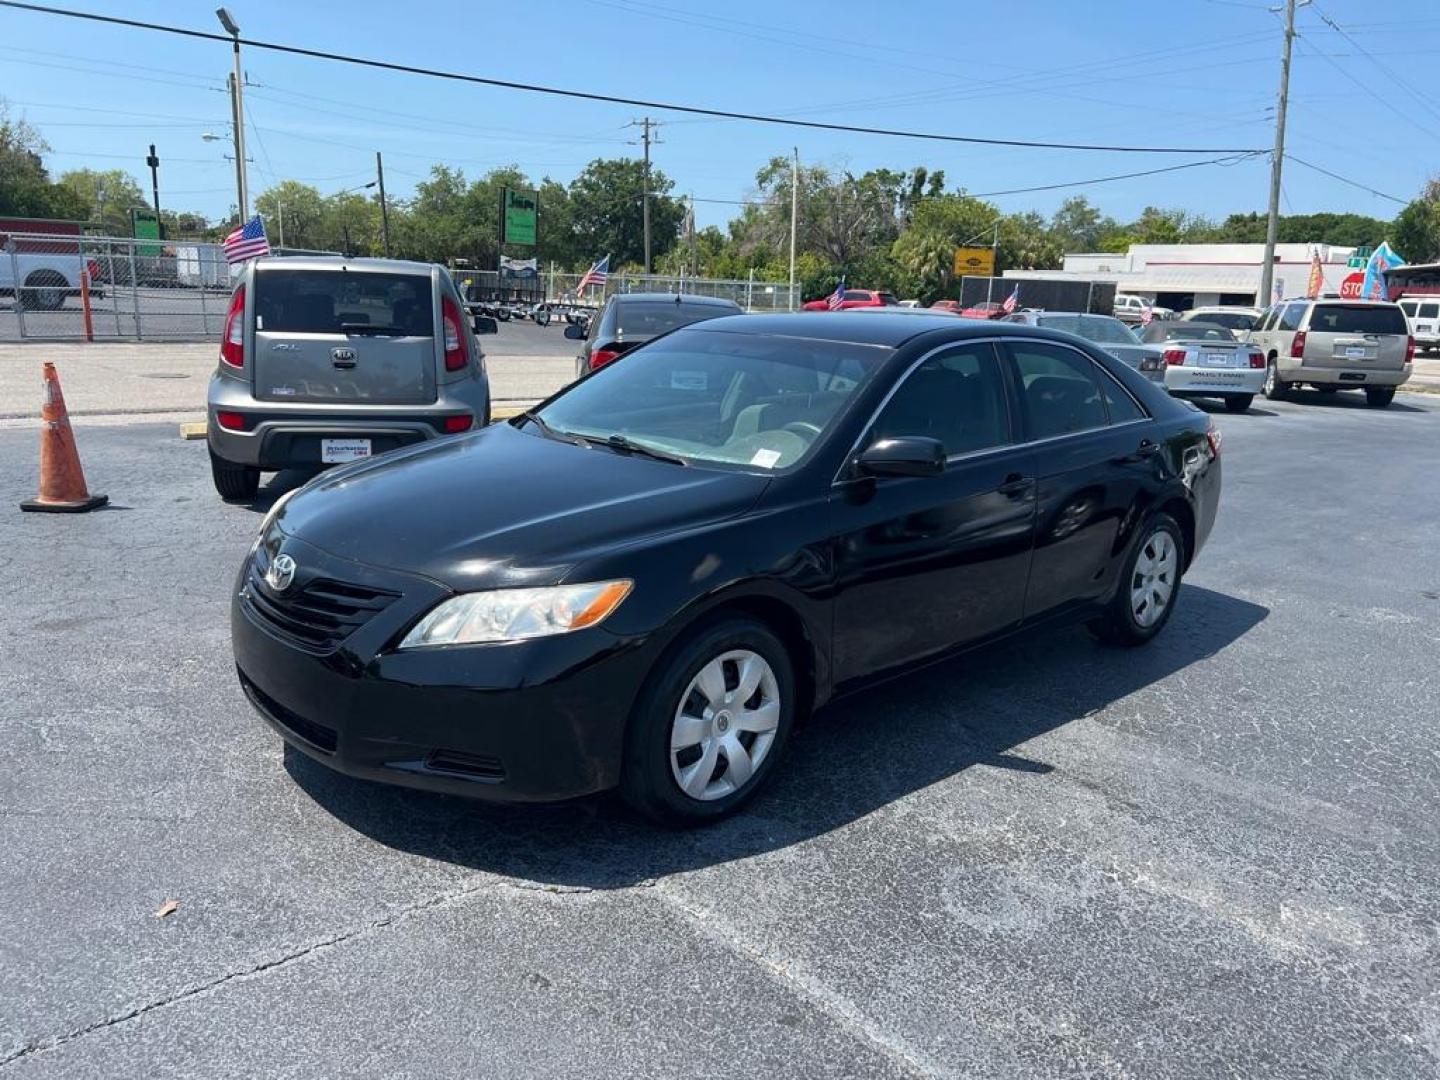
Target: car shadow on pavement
x=1343 y=400
x=854 y=758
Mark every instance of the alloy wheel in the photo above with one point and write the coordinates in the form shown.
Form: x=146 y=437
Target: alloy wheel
x=725 y=725
x=1153 y=581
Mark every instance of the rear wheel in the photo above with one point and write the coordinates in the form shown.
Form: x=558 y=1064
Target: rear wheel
x=1148 y=587
x=235 y=483
x=44 y=291
x=1238 y=402
x=710 y=724
x=1377 y=397
x=1275 y=388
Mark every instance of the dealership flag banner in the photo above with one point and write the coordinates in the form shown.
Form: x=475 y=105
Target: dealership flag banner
x=1382 y=260
x=1317 y=276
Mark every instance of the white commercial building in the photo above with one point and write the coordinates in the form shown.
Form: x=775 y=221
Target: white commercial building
x=1182 y=276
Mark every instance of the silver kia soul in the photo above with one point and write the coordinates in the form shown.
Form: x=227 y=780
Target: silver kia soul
x=329 y=359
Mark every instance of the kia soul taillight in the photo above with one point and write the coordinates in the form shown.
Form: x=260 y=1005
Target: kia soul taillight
x=457 y=352
x=232 y=344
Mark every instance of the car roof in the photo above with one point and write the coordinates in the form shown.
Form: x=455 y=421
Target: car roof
x=341 y=262
x=685 y=299
x=874 y=326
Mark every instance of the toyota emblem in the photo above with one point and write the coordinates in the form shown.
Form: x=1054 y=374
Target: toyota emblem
x=280 y=574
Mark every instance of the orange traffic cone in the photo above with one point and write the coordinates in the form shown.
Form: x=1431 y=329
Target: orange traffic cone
x=62 y=481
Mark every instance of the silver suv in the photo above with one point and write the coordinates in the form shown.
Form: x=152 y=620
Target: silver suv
x=1334 y=345
x=327 y=360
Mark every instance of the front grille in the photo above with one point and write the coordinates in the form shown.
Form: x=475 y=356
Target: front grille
x=316 y=616
x=317 y=735
x=458 y=761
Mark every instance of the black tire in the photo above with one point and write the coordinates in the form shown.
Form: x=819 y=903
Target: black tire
x=1238 y=402
x=1276 y=388
x=1378 y=397
x=44 y=291
x=647 y=781
x=235 y=483
x=1119 y=625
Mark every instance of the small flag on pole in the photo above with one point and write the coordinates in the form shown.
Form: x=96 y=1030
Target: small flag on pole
x=596 y=275
x=836 y=298
x=1147 y=312
x=1011 y=302
x=247 y=242
x=1317 y=276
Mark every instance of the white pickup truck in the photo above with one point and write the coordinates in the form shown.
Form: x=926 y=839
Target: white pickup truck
x=45 y=279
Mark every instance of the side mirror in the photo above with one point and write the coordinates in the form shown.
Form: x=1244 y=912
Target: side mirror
x=574 y=332
x=904 y=455
x=485 y=325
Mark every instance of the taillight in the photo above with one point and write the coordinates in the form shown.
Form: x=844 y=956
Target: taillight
x=1212 y=436
x=457 y=352
x=1174 y=357
x=1297 y=345
x=1410 y=349
x=231 y=421
x=232 y=345
x=1257 y=359
x=600 y=357
x=456 y=424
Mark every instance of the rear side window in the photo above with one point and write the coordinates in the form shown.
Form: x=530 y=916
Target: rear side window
x=1291 y=315
x=1058 y=388
x=1122 y=406
x=857 y=294
x=327 y=301
x=651 y=320
x=888 y=299
x=1358 y=319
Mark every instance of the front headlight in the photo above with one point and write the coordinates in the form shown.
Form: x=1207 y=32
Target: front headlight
x=513 y=614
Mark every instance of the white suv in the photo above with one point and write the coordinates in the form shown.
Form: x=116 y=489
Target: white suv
x=1335 y=345
x=1424 y=316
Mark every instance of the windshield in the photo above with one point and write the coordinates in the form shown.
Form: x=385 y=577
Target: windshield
x=1232 y=320
x=322 y=301
x=1100 y=329
x=732 y=399
x=1358 y=319
x=647 y=320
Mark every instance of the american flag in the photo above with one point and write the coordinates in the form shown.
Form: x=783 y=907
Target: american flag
x=836 y=298
x=1147 y=312
x=247 y=242
x=596 y=275
x=1011 y=302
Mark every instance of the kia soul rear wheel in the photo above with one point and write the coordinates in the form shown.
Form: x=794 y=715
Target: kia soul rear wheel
x=710 y=725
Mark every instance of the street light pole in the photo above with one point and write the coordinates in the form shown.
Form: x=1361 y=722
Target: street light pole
x=794 y=217
x=384 y=210
x=237 y=110
x=154 y=162
x=1272 y=222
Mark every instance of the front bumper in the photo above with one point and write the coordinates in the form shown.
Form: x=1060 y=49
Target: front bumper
x=529 y=721
x=1188 y=380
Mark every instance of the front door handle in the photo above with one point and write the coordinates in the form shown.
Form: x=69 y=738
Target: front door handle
x=1015 y=484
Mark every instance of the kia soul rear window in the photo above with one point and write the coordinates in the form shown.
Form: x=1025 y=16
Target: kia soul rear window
x=338 y=302
x=1358 y=319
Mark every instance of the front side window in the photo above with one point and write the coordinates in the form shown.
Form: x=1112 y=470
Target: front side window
x=732 y=400
x=1058 y=389
x=957 y=397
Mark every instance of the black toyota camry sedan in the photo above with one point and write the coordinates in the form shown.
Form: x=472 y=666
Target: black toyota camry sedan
x=646 y=581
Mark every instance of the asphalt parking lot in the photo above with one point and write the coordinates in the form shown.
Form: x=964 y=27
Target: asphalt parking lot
x=1213 y=856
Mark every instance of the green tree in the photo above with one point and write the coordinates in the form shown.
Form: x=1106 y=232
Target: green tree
x=925 y=251
x=1415 y=233
x=1078 y=225
x=297 y=210
x=607 y=214
x=25 y=186
x=107 y=195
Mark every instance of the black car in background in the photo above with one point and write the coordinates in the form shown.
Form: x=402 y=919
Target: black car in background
x=647 y=580
x=631 y=319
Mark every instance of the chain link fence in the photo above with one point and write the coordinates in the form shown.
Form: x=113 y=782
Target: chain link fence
x=557 y=288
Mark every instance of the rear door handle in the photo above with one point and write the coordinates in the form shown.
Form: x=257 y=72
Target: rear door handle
x=1015 y=485
x=1146 y=449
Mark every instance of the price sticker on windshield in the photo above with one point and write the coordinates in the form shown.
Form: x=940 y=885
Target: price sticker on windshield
x=766 y=459
x=688 y=380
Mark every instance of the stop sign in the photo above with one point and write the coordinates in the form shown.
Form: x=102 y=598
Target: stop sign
x=1350 y=287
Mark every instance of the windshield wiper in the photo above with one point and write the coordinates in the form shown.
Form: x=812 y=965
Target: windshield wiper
x=366 y=329
x=550 y=433
x=625 y=446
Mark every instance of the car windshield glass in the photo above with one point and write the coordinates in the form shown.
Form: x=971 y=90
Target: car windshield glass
x=1232 y=320
x=322 y=301
x=1358 y=319
x=647 y=320
x=736 y=400
x=1197 y=332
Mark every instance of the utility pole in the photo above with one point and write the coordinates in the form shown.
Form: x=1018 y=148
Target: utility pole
x=1277 y=160
x=280 y=217
x=384 y=210
x=694 y=251
x=237 y=112
x=154 y=162
x=645 y=125
x=794 y=217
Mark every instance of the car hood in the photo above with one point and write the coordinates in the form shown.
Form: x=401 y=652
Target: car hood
x=504 y=507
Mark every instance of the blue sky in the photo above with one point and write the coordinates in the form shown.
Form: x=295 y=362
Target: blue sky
x=1188 y=72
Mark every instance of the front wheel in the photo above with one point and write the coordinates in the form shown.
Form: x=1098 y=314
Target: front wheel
x=1238 y=402
x=1148 y=587
x=1275 y=387
x=1377 y=397
x=710 y=724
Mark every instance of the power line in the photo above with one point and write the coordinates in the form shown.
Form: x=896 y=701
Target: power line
x=582 y=95
x=1233 y=159
x=1345 y=180
x=1422 y=99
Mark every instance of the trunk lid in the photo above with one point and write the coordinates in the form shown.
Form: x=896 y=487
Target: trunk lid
x=343 y=335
